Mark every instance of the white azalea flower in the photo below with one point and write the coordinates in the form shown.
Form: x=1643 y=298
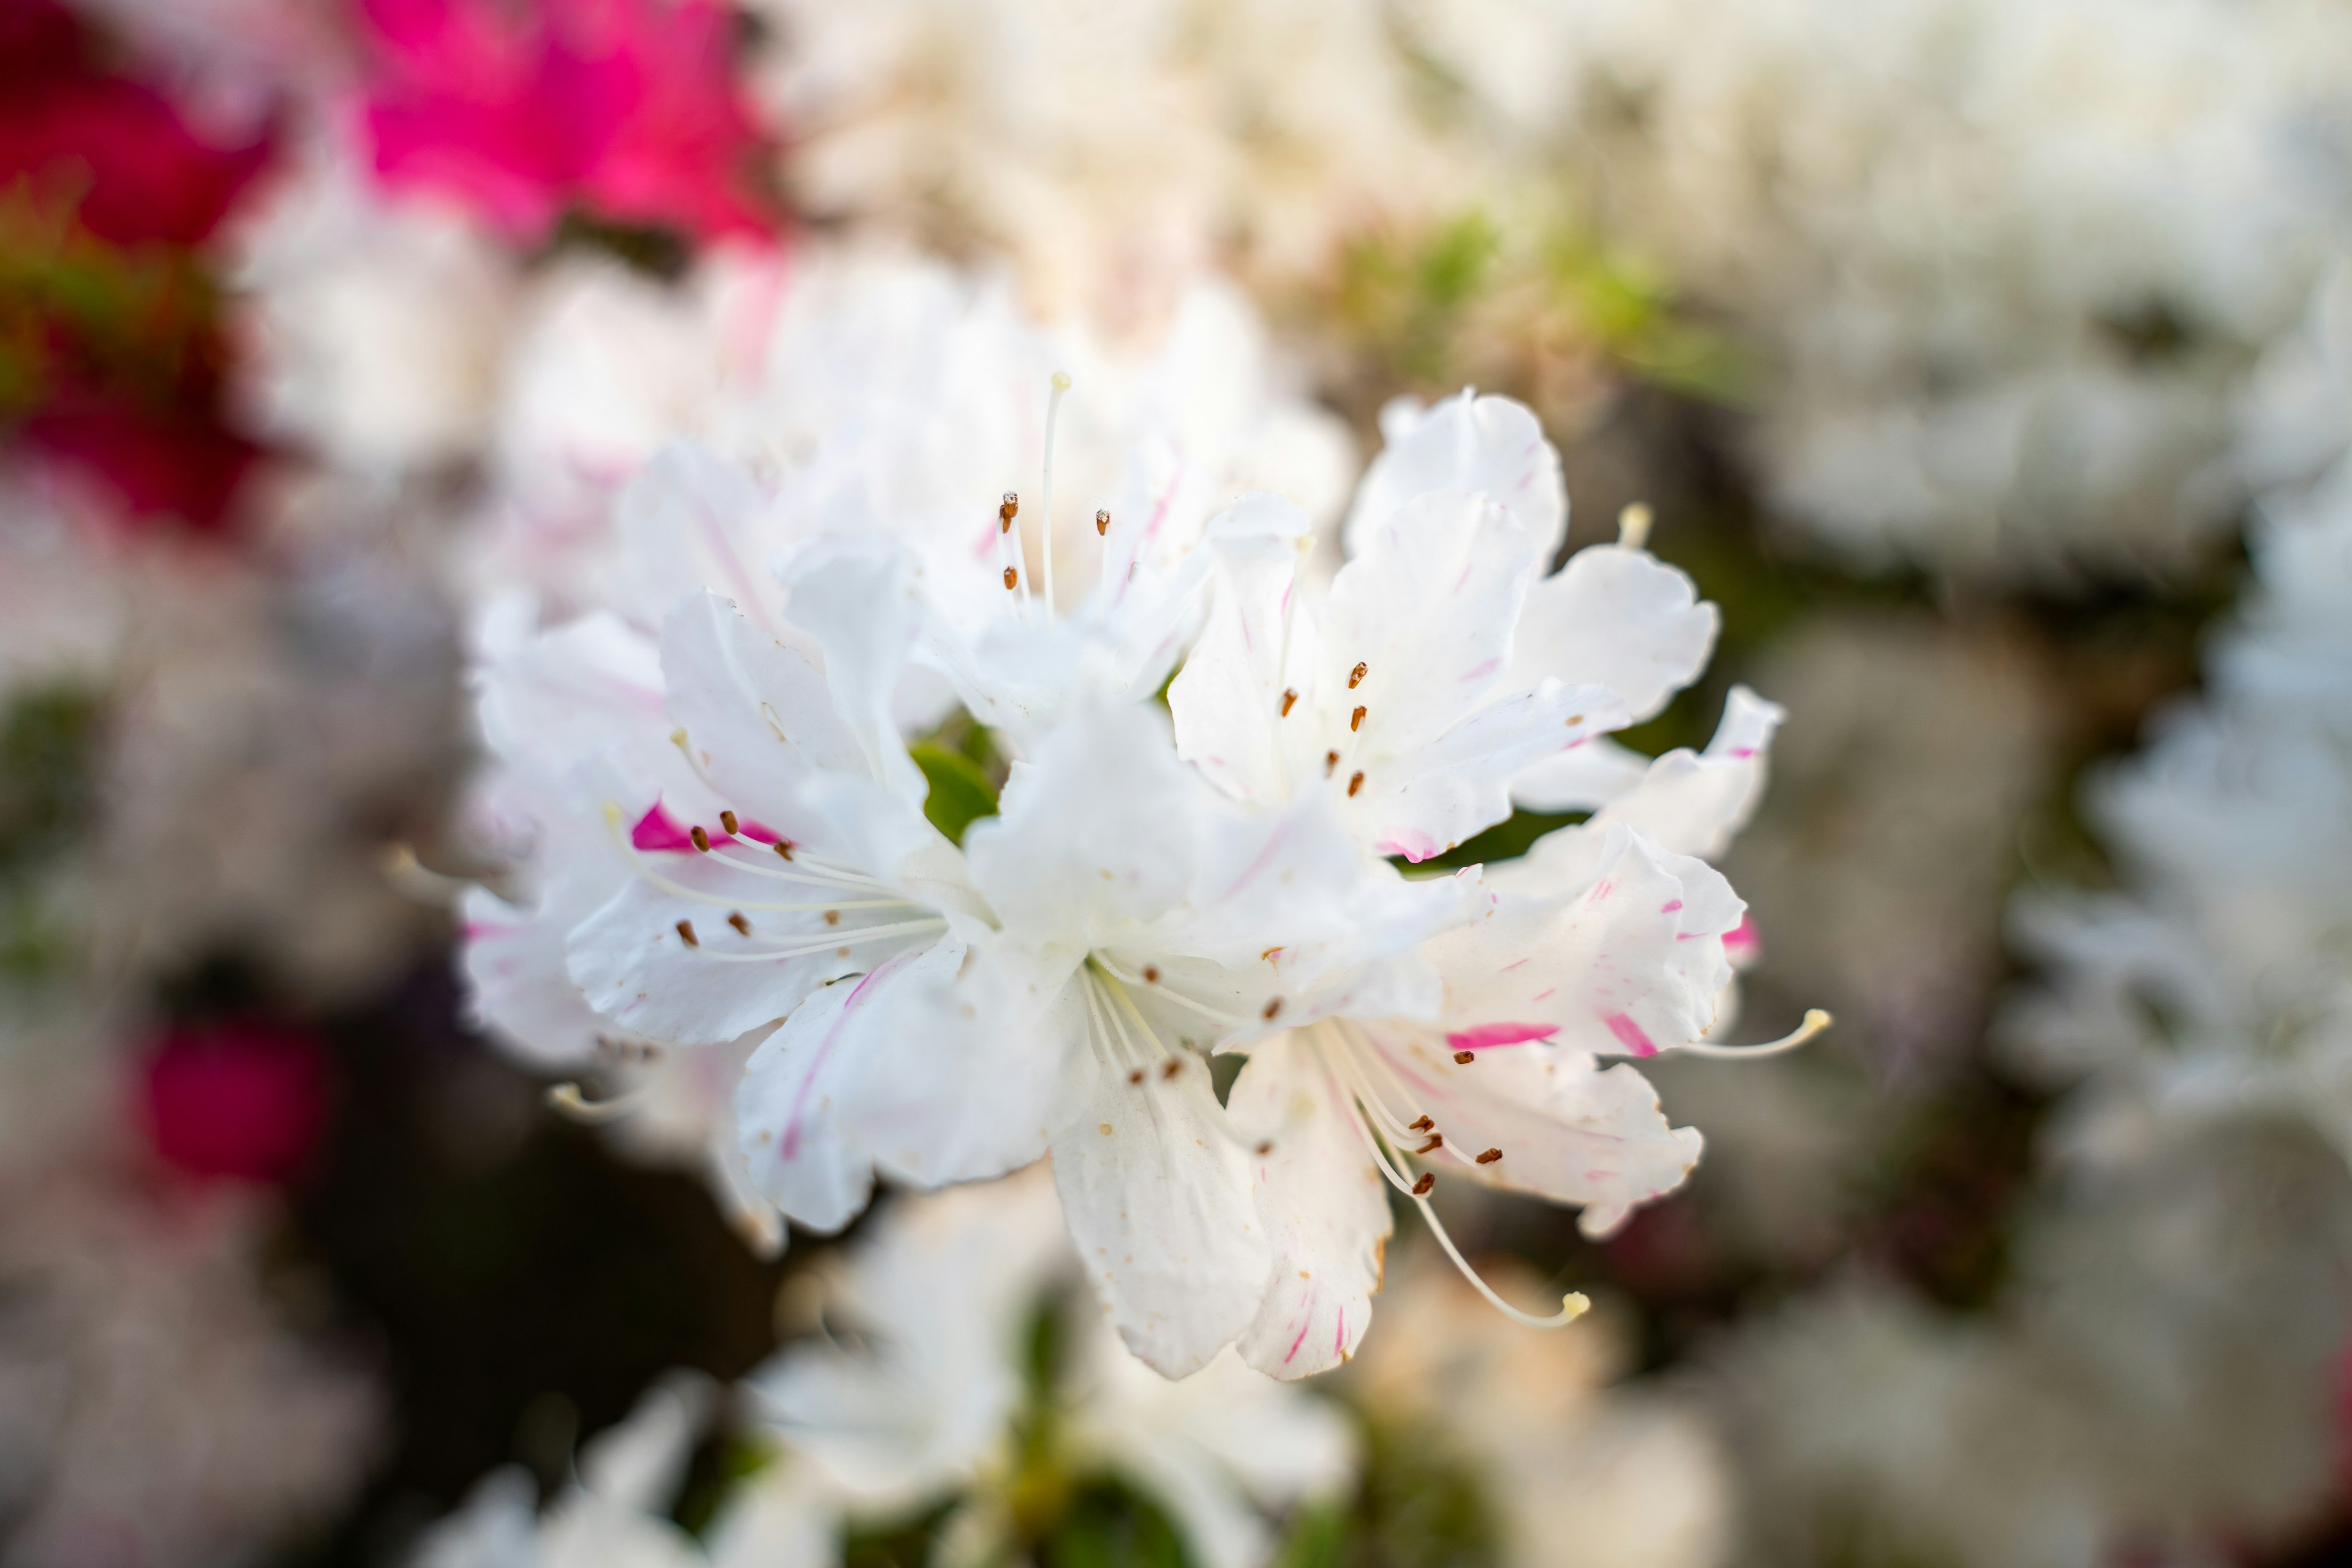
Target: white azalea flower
x=1036 y=986
x=610 y=1518
x=1433 y=675
x=923 y=1404
x=860 y=392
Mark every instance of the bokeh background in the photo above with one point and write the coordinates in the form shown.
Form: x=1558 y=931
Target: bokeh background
x=1989 y=361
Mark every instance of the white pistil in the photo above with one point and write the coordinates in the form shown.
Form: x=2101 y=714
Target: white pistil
x=1816 y=1020
x=852 y=937
x=1046 y=509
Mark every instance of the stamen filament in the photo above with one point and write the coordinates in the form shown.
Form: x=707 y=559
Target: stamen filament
x=680 y=890
x=569 y=1099
x=1816 y=1020
x=1046 y=509
x=1160 y=988
x=850 y=938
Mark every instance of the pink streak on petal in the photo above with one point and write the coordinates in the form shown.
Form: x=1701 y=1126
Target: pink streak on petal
x=758 y=832
x=1630 y=1034
x=1413 y=846
x=1265 y=858
x=1670 y=906
x=657 y=829
x=1484 y=1035
x=1339 y=1336
x=1743 y=936
x=808 y=1079
x=1488 y=667
x=1743 y=753
x=1301 y=1339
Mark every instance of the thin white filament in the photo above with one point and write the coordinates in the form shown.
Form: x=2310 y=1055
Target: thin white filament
x=1816 y=1020
x=851 y=938
x=695 y=895
x=569 y=1099
x=1046 y=509
x=1572 y=1306
x=1161 y=989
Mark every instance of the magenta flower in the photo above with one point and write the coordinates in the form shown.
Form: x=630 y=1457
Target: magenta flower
x=628 y=109
x=241 y=1101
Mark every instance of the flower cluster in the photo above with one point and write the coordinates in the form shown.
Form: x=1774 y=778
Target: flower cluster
x=739 y=853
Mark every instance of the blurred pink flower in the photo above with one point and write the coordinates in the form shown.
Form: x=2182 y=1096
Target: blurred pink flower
x=243 y=1101
x=628 y=107
x=141 y=171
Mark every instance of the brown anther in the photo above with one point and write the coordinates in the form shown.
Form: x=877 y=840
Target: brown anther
x=1007 y=511
x=1265 y=1148
x=1574 y=719
x=1011 y=578
x=784 y=847
x=1466 y=1057
x=1356 y=720
x=1273 y=1007
x=743 y=927
x=727 y=820
x=1135 y=1077
x=1175 y=1066
x=1355 y=783
x=1331 y=764
x=685 y=934
x=701 y=839
x=1152 y=975
x=1424 y=1125
x=1490 y=1156
x=1268 y=956
x=1102 y=523
x=1436 y=1140
x=1357 y=674
x=1428 y=1180
x=833 y=917
x=1289 y=696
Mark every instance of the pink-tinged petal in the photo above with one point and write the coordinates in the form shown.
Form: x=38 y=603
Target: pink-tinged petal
x=1567 y=1130
x=1323 y=1202
x=1487 y=1034
x=1631 y=1034
x=658 y=832
x=1161 y=1203
x=1415 y=847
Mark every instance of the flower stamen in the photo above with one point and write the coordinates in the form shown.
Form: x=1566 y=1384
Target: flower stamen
x=1816 y=1020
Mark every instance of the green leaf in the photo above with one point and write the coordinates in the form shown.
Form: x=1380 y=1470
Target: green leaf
x=960 y=793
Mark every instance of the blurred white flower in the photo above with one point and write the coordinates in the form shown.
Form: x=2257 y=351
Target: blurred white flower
x=924 y=1404
x=2008 y=264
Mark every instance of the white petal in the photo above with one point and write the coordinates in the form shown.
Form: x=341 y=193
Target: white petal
x=758 y=716
x=1429 y=605
x=976 y=1059
x=1693 y=804
x=1568 y=1131
x=518 y=986
x=1429 y=799
x=1599 y=942
x=1160 y=1203
x=1467 y=444
x=1620 y=618
x=1584 y=779
x=1097 y=832
x=783 y=1518
x=1324 y=1203
x=1227 y=700
x=688 y=520
x=855 y=594
x=789 y=1108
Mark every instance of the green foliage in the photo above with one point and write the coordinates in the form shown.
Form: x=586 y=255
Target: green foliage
x=47 y=743
x=1507 y=840
x=1417 y=1505
x=962 y=793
